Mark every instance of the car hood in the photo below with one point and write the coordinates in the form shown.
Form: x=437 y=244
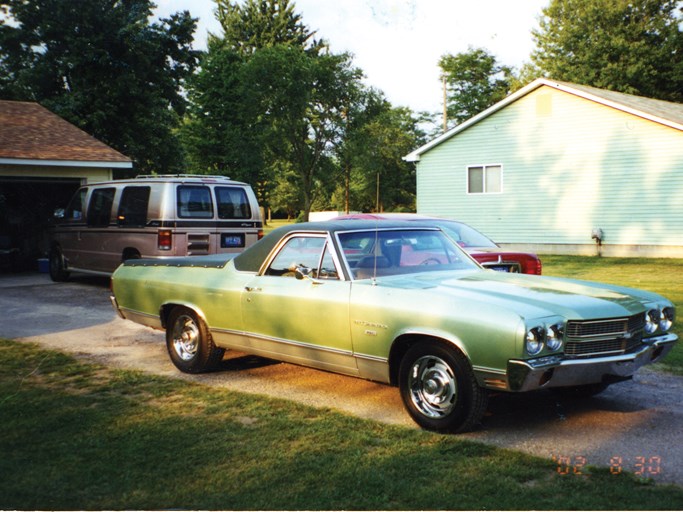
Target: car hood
x=530 y=296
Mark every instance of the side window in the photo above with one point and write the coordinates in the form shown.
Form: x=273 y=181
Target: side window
x=99 y=209
x=194 y=202
x=133 y=207
x=76 y=208
x=485 y=179
x=232 y=203
x=304 y=251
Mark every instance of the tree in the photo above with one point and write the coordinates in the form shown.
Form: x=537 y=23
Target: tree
x=267 y=103
x=630 y=46
x=103 y=66
x=371 y=154
x=475 y=81
x=258 y=24
x=300 y=99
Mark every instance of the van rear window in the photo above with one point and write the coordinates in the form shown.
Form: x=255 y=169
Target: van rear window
x=232 y=203
x=194 y=202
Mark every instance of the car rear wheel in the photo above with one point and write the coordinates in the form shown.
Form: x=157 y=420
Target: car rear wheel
x=189 y=342
x=439 y=389
x=58 y=271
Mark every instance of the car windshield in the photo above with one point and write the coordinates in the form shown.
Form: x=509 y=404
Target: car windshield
x=379 y=253
x=465 y=235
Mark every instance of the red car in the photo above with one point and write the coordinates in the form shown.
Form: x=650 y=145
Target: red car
x=477 y=245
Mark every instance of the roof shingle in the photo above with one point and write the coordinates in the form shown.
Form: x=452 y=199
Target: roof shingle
x=29 y=131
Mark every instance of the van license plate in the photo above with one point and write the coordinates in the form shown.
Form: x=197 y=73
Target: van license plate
x=230 y=240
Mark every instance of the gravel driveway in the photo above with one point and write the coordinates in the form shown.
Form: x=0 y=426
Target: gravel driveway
x=635 y=425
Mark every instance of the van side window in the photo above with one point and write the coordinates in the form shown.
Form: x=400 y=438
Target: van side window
x=194 y=202
x=76 y=206
x=99 y=209
x=133 y=207
x=232 y=203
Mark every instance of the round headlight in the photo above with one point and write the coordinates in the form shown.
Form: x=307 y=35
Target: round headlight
x=534 y=341
x=652 y=321
x=666 y=319
x=554 y=337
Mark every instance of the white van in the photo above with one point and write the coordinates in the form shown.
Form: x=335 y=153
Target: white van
x=152 y=217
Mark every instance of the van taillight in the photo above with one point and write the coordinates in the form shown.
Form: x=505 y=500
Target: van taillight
x=165 y=241
x=260 y=234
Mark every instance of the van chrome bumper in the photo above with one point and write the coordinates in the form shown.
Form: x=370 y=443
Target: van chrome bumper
x=557 y=371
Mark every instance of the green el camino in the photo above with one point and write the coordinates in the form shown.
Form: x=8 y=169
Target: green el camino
x=397 y=302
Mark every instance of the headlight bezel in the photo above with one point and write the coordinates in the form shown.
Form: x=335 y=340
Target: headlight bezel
x=534 y=340
x=544 y=337
x=651 y=325
x=666 y=318
x=659 y=320
x=554 y=335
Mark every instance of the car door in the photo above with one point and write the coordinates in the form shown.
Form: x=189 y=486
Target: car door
x=297 y=308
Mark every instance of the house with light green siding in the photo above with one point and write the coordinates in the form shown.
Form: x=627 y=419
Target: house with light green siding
x=555 y=166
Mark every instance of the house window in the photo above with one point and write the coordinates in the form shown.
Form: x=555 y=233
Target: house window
x=485 y=179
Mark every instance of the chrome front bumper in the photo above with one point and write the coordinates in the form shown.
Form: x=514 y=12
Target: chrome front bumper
x=556 y=371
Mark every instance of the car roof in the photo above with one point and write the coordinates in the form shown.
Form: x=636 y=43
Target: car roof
x=252 y=258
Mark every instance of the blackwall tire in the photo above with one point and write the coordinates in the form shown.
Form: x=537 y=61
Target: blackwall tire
x=439 y=389
x=189 y=342
x=58 y=271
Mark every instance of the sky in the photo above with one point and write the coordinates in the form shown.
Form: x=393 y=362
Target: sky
x=398 y=43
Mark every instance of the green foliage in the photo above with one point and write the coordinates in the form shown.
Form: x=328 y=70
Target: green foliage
x=83 y=437
x=104 y=67
x=373 y=156
x=268 y=105
x=257 y=24
x=630 y=46
x=475 y=81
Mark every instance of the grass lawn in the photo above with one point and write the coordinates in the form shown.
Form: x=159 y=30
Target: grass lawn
x=81 y=436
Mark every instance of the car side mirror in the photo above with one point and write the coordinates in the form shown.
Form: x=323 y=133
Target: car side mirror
x=58 y=213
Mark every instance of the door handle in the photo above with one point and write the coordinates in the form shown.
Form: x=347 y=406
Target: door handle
x=252 y=288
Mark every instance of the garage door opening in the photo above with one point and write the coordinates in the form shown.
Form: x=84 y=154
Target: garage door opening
x=26 y=210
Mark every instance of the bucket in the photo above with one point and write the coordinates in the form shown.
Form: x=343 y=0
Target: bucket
x=43 y=265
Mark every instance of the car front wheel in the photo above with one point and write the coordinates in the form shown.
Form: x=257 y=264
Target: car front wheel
x=439 y=389
x=189 y=342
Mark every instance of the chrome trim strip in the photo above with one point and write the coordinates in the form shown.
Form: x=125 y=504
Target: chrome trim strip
x=284 y=341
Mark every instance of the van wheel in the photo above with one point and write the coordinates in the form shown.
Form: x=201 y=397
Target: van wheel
x=189 y=342
x=58 y=271
x=439 y=389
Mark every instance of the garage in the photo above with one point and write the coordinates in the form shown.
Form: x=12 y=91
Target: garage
x=43 y=160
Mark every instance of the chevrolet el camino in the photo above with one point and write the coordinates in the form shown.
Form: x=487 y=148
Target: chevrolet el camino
x=400 y=303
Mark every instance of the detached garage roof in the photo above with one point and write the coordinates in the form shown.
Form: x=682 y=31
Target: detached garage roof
x=662 y=112
x=32 y=135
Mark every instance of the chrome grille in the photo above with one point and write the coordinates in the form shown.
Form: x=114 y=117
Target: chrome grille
x=604 y=337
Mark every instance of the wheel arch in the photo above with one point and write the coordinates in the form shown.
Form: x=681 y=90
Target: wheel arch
x=130 y=253
x=405 y=341
x=167 y=307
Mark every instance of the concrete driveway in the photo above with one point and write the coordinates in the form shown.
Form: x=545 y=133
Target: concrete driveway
x=636 y=426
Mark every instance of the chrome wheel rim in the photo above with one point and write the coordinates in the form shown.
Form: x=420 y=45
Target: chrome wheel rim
x=185 y=337
x=433 y=388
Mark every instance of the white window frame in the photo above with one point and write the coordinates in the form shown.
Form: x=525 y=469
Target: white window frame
x=484 y=167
